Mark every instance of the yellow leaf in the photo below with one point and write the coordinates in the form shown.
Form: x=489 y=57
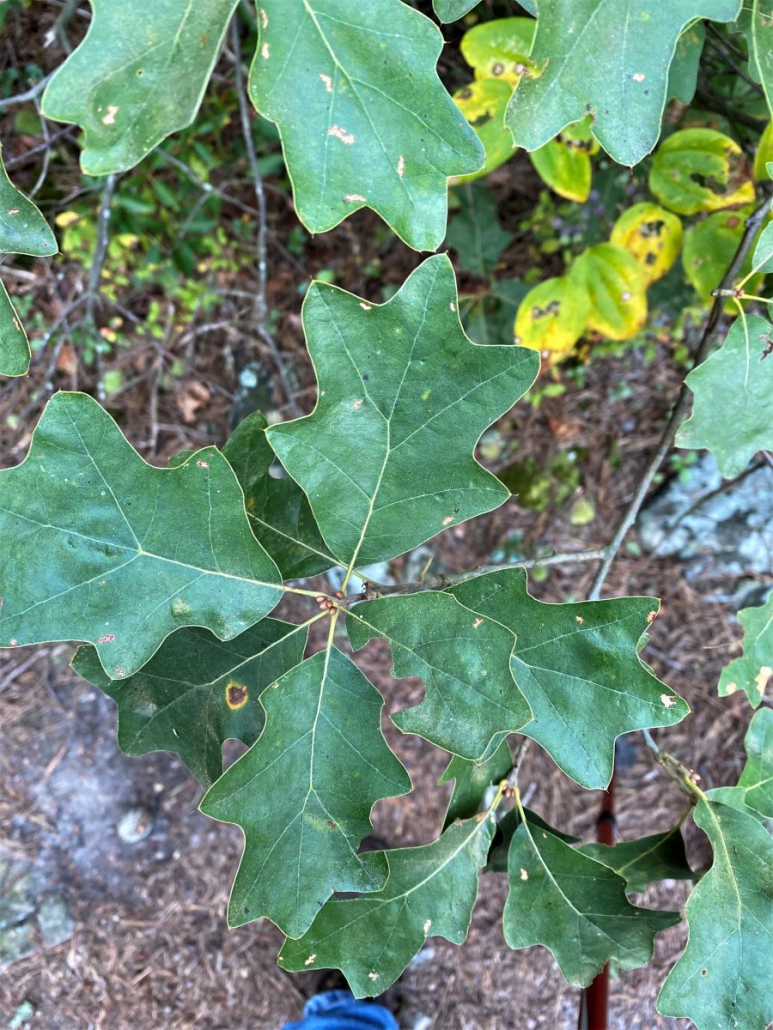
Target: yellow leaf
x=565 y=168
x=700 y=170
x=65 y=218
x=709 y=247
x=483 y=103
x=615 y=284
x=552 y=317
x=764 y=154
x=654 y=237
x=500 y=49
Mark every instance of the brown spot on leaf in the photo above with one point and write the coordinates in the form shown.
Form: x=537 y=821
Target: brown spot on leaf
x=357 y=404
x=448 y=520
x=478 y=622
x=202 y=464
x=236 y=695
x=108 y=638
x=667 y=700
x=328 y=83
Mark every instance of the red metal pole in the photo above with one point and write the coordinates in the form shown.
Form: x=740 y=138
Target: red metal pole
x=594 y=1003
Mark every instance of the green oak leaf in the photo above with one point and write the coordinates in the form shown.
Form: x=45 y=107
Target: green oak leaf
x=386 y=456
x=197 y=691
x=463 y=658
x=363 y=116
x=431 y=891
x=137 y=77
x=683 y=73
x=303 y=794
x=753 y=793
x=278 y=509
x=476 y=233
x=586 y=45
x=731 y=407
x=757 y=776
x=23 y=230
x=576 y=907
x=453 y=10
x=507 y=827
x=761 y=44
x=579 y=668
x=472 y=780
x=763 y=250
x=279 y=512
x=722 y=980
x=118 y=553
x=14 y=348
x=752 y=671
x=660 y=856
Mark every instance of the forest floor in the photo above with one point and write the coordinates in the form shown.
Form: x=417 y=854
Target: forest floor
x=149 y=946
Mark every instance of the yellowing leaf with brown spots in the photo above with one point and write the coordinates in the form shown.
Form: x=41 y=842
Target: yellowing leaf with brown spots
x=431 y=892
x=386 y=457
x=483 y=103
x=564 y=163
x=364 y=119
x=654 y=237
x=552 y=317
x=118 y=553
x=614 y=282
x=700 y=170
x=764 y=154
x=197 y=691
x=709 y=247
x=499 y=49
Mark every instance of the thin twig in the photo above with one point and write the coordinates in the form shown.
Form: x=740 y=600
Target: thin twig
x=94 y=292
x=261 y=303
x=442 y=581
x=753 y=223
x=717 y=43
x=30 y=94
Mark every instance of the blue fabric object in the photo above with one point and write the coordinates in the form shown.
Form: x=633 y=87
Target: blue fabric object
x=338 y=1010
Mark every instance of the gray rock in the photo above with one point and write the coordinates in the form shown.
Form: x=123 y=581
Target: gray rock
x=724 y=533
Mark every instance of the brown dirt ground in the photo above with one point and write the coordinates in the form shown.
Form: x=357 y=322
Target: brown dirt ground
x=151 y=948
